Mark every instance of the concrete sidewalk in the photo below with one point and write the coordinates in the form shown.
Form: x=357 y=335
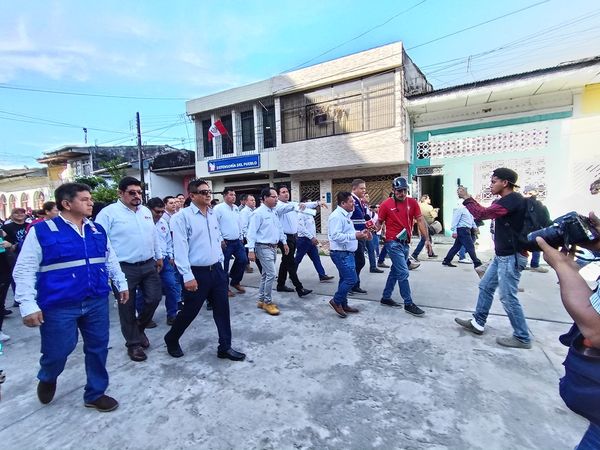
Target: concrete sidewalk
x=379 y=379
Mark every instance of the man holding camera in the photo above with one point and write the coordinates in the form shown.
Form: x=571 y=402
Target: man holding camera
x=510 y=259
x=580 y=387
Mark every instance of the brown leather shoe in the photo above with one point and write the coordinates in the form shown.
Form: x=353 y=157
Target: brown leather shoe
x=337 y=308
x=230 y=293
x=239 y=288
x=136 y=353
x=349 y=309
x=144 y=342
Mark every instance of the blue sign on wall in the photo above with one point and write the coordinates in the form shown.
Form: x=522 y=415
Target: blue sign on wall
x=236 y=163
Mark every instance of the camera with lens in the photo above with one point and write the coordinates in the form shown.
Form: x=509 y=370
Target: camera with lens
x=572 y=228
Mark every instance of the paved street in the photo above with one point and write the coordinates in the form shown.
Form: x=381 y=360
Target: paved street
x=379 y=379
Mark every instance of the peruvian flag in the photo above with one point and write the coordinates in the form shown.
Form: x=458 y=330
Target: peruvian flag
x=216 y=129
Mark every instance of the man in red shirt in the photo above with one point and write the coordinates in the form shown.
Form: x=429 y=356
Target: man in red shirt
x=399 y=212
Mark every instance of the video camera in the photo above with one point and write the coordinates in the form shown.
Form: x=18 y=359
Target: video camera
x=572 y=228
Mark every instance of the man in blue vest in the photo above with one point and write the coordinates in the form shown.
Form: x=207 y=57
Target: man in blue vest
x=62 y=277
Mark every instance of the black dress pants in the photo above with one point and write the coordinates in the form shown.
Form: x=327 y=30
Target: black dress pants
x=359 y=260
x=212 y=284
x=288 y=264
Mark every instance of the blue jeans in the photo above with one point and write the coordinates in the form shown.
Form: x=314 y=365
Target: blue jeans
x=344 y=261
x=463 y=240
x=591 y=438
x=59 y=334
x=237 y=250
x=535 y=259
x=399 y=272
x=418 y=248
x=376 y=243
x=382 y=255
x=171 y=287
x=504 y=274
x=371 y=253
x=304 y=246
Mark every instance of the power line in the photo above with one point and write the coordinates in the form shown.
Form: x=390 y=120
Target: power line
x=478 y=25
x=86 y=94
x=356 y=68
x=356 y=37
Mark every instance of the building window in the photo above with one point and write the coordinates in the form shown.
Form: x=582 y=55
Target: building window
x=247 y=119
x=226 y=141
x=3 y=214
x=12 y=202
x=357 y=105
x=24 y=200
x=206 y=144
x=269 y=127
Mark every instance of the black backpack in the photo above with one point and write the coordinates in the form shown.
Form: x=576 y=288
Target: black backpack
x=536 y=217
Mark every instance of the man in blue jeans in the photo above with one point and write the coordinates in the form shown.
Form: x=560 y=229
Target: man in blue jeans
x=343 y=242
x=504 y=272
x=399 y=212
x=62 y=285
x=171 y=286
x=228 y=215
x=462 y=224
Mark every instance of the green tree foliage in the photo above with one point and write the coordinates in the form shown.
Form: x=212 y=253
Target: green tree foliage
x=105 y=190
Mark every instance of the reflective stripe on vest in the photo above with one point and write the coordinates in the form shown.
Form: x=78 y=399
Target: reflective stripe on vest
x=68 y=265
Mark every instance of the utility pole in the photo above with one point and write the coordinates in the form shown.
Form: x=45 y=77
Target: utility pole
x=140 y=156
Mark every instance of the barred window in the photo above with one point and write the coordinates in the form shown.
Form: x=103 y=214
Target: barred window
x=226 y=141
x=269 y=126
x=207 y=145
x=358 y=105
x=247 y=119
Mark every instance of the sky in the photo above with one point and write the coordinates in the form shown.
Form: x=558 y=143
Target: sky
x=68 y=65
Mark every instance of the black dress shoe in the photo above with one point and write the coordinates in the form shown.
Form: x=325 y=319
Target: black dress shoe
x=389 y=302
x=231 y=354
x=358 y=291
x=448 y=264
x=326 y=278
x=136 y=353
x=173 y=348
x=45 y=391
x=284 y=289
x=302 y=292
x=375 y=270
x=152 y=324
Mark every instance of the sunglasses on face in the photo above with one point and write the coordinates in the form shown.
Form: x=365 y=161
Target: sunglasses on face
x=133 y=193
x=203 y=192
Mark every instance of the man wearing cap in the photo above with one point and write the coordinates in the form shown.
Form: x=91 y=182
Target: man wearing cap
x=399 y=213
x=504 y=272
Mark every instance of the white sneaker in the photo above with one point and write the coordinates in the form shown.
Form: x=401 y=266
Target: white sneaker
x=465 y=261
x=4 y=337
x=413 y=263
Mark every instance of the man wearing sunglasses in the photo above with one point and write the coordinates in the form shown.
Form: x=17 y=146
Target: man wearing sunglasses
x=199 y=259
x=131 y=230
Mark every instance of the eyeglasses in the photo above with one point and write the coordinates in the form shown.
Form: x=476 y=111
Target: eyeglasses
x=203 y=192
x=132 y=193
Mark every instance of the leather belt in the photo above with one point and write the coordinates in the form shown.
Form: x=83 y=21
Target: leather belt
x=207 y=268
x=267 y=244
x=399 y=241
x=140 y=263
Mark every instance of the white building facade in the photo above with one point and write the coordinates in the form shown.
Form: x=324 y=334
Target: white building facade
x=313 y=129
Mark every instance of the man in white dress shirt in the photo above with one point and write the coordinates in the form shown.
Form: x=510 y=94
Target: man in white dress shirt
x=62 y=286
x=199 y=257
x=228 y=216
x=264 y=233
x=131 y=230
x=288 y=215
x=343 y=242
